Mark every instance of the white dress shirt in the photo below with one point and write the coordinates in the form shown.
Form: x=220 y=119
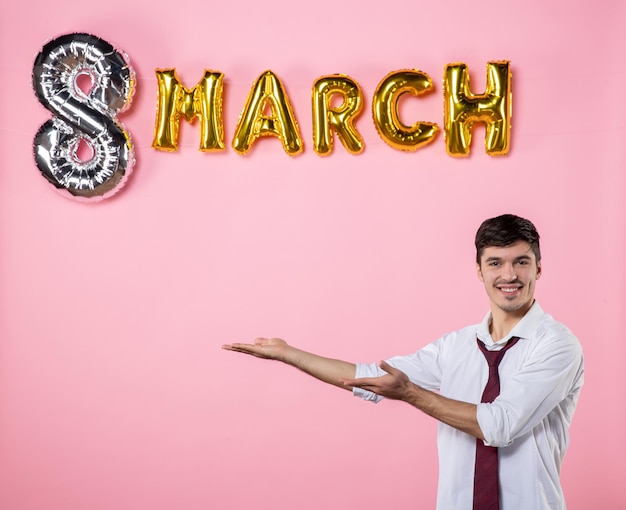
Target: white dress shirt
x=540 y=380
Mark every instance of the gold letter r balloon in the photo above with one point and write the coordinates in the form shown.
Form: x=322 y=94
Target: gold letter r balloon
x=340 y=118
x=462 y=109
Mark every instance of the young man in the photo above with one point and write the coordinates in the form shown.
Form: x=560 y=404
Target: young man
x=506 y=388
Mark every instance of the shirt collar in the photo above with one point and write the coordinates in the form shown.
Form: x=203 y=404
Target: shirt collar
x=523 y=329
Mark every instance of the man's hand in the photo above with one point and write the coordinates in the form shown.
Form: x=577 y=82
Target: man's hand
x=267 y=348
x=331 y=371
x=394 y=385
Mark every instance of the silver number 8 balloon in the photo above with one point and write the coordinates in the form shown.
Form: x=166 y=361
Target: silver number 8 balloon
x=85 y=117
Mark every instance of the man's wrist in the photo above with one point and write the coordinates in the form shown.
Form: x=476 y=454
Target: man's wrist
x=414 y=395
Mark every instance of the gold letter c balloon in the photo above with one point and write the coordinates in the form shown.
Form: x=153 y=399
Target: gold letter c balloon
x=385 y=110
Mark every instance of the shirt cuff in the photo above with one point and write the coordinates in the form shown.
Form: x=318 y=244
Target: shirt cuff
x=490 y=426
x=366 y=370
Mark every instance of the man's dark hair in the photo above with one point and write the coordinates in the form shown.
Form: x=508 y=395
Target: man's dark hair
x=504 y=231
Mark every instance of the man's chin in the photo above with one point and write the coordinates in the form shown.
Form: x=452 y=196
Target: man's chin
x=512 y=306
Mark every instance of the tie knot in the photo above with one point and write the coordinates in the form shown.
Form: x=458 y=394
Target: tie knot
x=495 y=357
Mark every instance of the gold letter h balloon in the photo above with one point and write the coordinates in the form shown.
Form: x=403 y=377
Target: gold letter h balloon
x=462 y=109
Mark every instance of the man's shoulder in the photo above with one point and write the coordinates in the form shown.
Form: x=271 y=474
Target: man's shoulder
x=550 y=332
x=547 y=324
x=465 y=334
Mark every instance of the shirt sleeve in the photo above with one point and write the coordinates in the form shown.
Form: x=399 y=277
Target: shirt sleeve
x=550 y=377
x=422 y=368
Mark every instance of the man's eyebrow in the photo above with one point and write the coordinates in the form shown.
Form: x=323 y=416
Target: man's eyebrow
x=494 y=258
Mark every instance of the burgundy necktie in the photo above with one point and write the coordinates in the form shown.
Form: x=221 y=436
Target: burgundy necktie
x=486 y=468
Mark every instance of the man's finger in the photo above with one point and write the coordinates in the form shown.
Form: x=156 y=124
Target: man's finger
x=364 y=382
x=388 y=368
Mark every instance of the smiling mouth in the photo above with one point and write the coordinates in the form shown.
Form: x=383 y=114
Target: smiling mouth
x=509 y=290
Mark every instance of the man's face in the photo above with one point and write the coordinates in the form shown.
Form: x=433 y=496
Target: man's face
x=509 y=274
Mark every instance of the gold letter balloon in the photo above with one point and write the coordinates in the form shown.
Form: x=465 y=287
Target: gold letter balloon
x=267 y=112
x=462 y=109
x=83 y=116
x=385 y=110
x=204 y=101
x=341 y=118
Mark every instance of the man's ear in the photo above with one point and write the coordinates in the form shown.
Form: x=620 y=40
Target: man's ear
x=479 y=273
x=538 y=270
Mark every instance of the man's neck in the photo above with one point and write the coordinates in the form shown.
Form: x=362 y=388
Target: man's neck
x=502 y=322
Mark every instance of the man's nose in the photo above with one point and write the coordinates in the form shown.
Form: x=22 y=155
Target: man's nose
x=508 y=272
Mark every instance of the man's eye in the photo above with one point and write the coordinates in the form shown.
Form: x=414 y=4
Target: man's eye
x=494 y=263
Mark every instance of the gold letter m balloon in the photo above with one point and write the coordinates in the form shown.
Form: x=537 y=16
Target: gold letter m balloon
x=204 y=101
x=462 y=109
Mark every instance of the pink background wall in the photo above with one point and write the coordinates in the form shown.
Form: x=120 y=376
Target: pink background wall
x=114 y=393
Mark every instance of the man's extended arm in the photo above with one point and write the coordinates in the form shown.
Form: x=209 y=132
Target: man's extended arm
x=331 y=371
x=394 y=385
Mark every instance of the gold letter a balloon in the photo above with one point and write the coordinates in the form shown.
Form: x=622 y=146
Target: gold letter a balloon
x=267 y=93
